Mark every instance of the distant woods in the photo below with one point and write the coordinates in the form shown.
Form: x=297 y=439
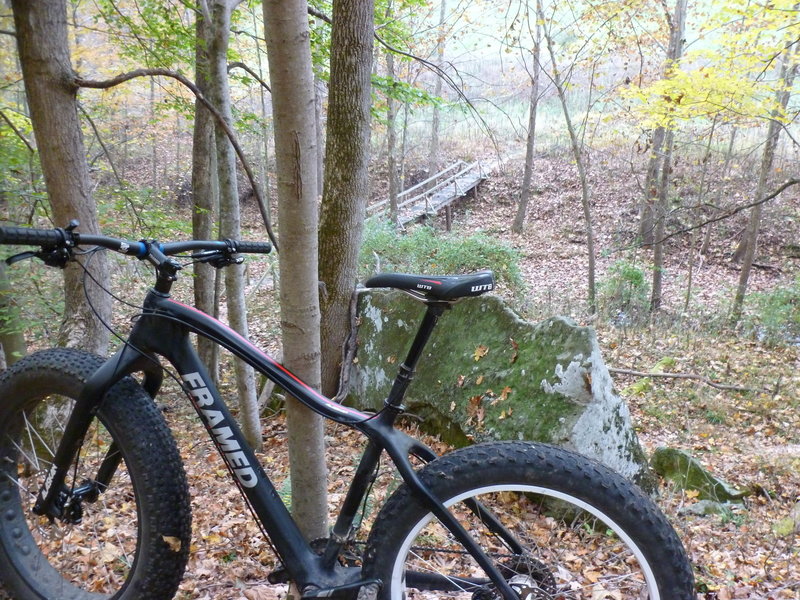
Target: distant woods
x=696 y=106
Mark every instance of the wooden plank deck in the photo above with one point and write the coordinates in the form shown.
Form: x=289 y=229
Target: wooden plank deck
x=428 y=197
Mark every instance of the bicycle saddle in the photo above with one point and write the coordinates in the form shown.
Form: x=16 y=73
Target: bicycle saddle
x=440 y=287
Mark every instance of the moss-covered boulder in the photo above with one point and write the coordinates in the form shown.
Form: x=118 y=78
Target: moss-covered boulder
x=487 y=374
x=688 y=474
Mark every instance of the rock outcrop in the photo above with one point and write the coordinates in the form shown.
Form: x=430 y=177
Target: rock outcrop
x=487 y=374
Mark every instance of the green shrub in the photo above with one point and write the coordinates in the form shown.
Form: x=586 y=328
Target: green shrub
x=425 y=250
x=624 y=291
x=774 y=316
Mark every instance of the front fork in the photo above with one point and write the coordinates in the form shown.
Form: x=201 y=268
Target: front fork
x=55 y=499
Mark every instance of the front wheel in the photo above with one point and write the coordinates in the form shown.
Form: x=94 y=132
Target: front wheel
x=555 y=524
x=128 y=540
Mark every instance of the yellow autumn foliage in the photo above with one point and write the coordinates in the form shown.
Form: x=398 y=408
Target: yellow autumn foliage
x=733 y=77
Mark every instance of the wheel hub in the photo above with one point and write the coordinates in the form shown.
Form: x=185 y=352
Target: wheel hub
x=528 y=577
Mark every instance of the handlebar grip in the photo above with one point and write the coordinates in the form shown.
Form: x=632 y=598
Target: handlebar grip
x=25 y=236
x=252 y=247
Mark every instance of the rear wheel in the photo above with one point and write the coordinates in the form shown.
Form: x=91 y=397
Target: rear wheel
x=127 y=542
x=555 y=524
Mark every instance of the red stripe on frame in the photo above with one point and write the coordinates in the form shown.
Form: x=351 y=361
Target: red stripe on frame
x=327 y=401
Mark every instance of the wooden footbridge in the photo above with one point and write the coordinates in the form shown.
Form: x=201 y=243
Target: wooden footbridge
x=436 y=193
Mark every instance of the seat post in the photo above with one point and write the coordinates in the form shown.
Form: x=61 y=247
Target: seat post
x=407 y=369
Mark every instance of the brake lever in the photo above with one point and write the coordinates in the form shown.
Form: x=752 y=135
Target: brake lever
x=217 y=258
x=21 y=256
x=52 y=257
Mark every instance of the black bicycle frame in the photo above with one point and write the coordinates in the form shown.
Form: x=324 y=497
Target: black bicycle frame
x=163 y=329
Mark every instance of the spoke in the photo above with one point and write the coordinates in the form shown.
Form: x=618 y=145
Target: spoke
x=16 y=482
x=569 y=556
x=436 y=569
x=28 y=429
x=31 y=461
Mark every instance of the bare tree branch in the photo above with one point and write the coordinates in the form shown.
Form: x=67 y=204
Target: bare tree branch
x=730 y=213
x=122 y=78
x=319 y=15
x=703 y=378
x=10 y=123
x=250 y=71
x=100 y=141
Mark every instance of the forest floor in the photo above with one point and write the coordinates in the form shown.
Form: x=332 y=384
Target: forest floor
x=751 y=439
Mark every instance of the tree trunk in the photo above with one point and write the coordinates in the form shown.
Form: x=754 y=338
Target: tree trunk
x=782 y=96
x=433 y=157
x=264 y=161
x=292 y=80
x=391 y=127
x=706 y=245
x=525 y=192
x=649 y=210
x=660 y=225
x=153 y=138
x=346 y=177
x=701 y=195
x=229 y=217
x=319 y=88
x=661 y=163
x=41 y=29
x=204 y=200
x=11 y=338
x=577 y=152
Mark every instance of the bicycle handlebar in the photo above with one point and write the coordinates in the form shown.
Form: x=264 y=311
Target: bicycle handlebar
x=66 y=238
x=25 y=236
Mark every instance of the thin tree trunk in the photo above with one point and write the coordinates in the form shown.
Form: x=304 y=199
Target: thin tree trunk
x=11 y=337
x=701 y=194
x=153 y=138
x=661 y=166
x=292 y=80
x=319 y=86
x=204 y=200
x=391 y=125
x=41 y=31
x=577 y=152
x=704 y=248
x=229 y=216
x=782 y=96
x=178 y=151
x=660 y=225
x=527 y=177
x=264 y=162
x=403 y=146
x=433 y=152
x=647 y=208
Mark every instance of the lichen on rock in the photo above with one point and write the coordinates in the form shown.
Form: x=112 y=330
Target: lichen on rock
x=488 y=374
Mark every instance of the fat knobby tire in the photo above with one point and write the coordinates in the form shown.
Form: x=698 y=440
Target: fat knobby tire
x=152 y=460
x=543 y=466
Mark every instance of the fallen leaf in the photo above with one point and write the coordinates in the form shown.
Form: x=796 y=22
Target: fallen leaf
x=173 y=542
